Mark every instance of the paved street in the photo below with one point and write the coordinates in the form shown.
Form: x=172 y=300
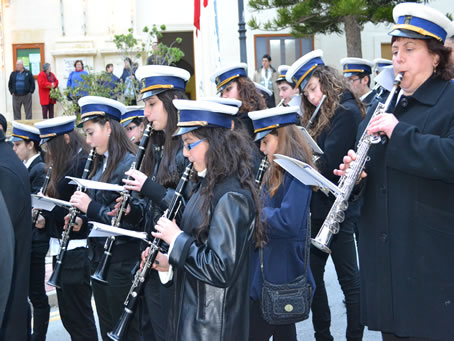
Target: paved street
x=305 y=330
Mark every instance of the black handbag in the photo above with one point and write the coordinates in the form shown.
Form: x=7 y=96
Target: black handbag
x=289 y=302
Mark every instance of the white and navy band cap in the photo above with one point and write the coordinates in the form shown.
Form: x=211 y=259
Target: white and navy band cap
x=356 y=66
x=48 y=129
x=132 y=112
x=225 y=101
x=24 y=132
x=417 y=21
x=263 y=89
x=380 y=63
x=223 y=76
x=96 y=106
x=300 y=72
x=281 y=73
x=265 y=121
x=196 y=114
x=159 y=78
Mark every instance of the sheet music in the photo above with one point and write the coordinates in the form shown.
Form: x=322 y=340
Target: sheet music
x=90 y=184
x=305 y=173
x=315 y=148
x=41 y=202
x=103 y=230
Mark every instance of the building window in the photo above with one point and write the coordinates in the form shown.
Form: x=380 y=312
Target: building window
x=283 y=48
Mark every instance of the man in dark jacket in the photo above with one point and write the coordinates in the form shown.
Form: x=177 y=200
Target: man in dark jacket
x=21 y=85
x=15 y=186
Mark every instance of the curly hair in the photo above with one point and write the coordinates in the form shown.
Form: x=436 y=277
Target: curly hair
x=225 y=162
x=249 y=96
x=290 y=143
x=333 y=85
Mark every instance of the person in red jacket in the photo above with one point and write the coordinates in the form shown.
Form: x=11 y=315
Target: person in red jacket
x=46 y=82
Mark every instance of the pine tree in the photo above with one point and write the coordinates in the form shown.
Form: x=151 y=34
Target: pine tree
x=309 y=17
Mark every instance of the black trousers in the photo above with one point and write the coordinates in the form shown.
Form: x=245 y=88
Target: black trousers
x=74 y=297
x=110 y=298
x=392 y=337
x=343 y=253
x=37 y=291
x=260 y=330
x=154 y=314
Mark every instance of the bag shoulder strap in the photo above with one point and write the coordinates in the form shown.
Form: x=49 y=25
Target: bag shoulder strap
x=306 y=248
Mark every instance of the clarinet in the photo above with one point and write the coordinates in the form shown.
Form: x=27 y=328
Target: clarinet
x=142 y=275
x=54 y=279
x=101 y=271
x=43 y=190
x=348 y=181
x=261 y=172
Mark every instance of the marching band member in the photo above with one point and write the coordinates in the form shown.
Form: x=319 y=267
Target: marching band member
x=334 y=130
x=380 y=64
x=67 y=154
x=286 y=223
x=26 y=145
x=133 y=122
x=233 y=82
x=288 y=91
x=114 y=156
x=210 y=253
x=164 y=164
x=358 y=72
x=406 y=253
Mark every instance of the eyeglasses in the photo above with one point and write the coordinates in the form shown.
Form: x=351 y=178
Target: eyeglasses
x=194 y=144
x=352 y=80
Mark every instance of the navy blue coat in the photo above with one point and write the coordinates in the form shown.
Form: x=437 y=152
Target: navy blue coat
x=335 y=140
x=406 y=248
x=285 y=216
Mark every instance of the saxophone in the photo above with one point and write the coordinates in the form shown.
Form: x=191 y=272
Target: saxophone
x=141 y=275
x=54 y=279
x=336 y=214
x=101 y=271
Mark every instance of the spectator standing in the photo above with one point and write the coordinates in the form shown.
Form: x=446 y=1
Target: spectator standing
x=46 y=82
x=267 y=77
x=21 y=85
x=76 y=77
x=110 y=80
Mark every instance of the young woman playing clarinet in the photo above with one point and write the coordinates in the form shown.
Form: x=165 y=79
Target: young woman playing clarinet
x=114 y=155
x=210 y=253
x=334 y=130
x=67 y=154
x=163 y=166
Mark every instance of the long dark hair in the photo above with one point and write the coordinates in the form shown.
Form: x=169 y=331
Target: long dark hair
x=119 y=145
x=62 y=156
x=222 y=163
x=249 y=96
x=167 y=174
x=333 y=85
